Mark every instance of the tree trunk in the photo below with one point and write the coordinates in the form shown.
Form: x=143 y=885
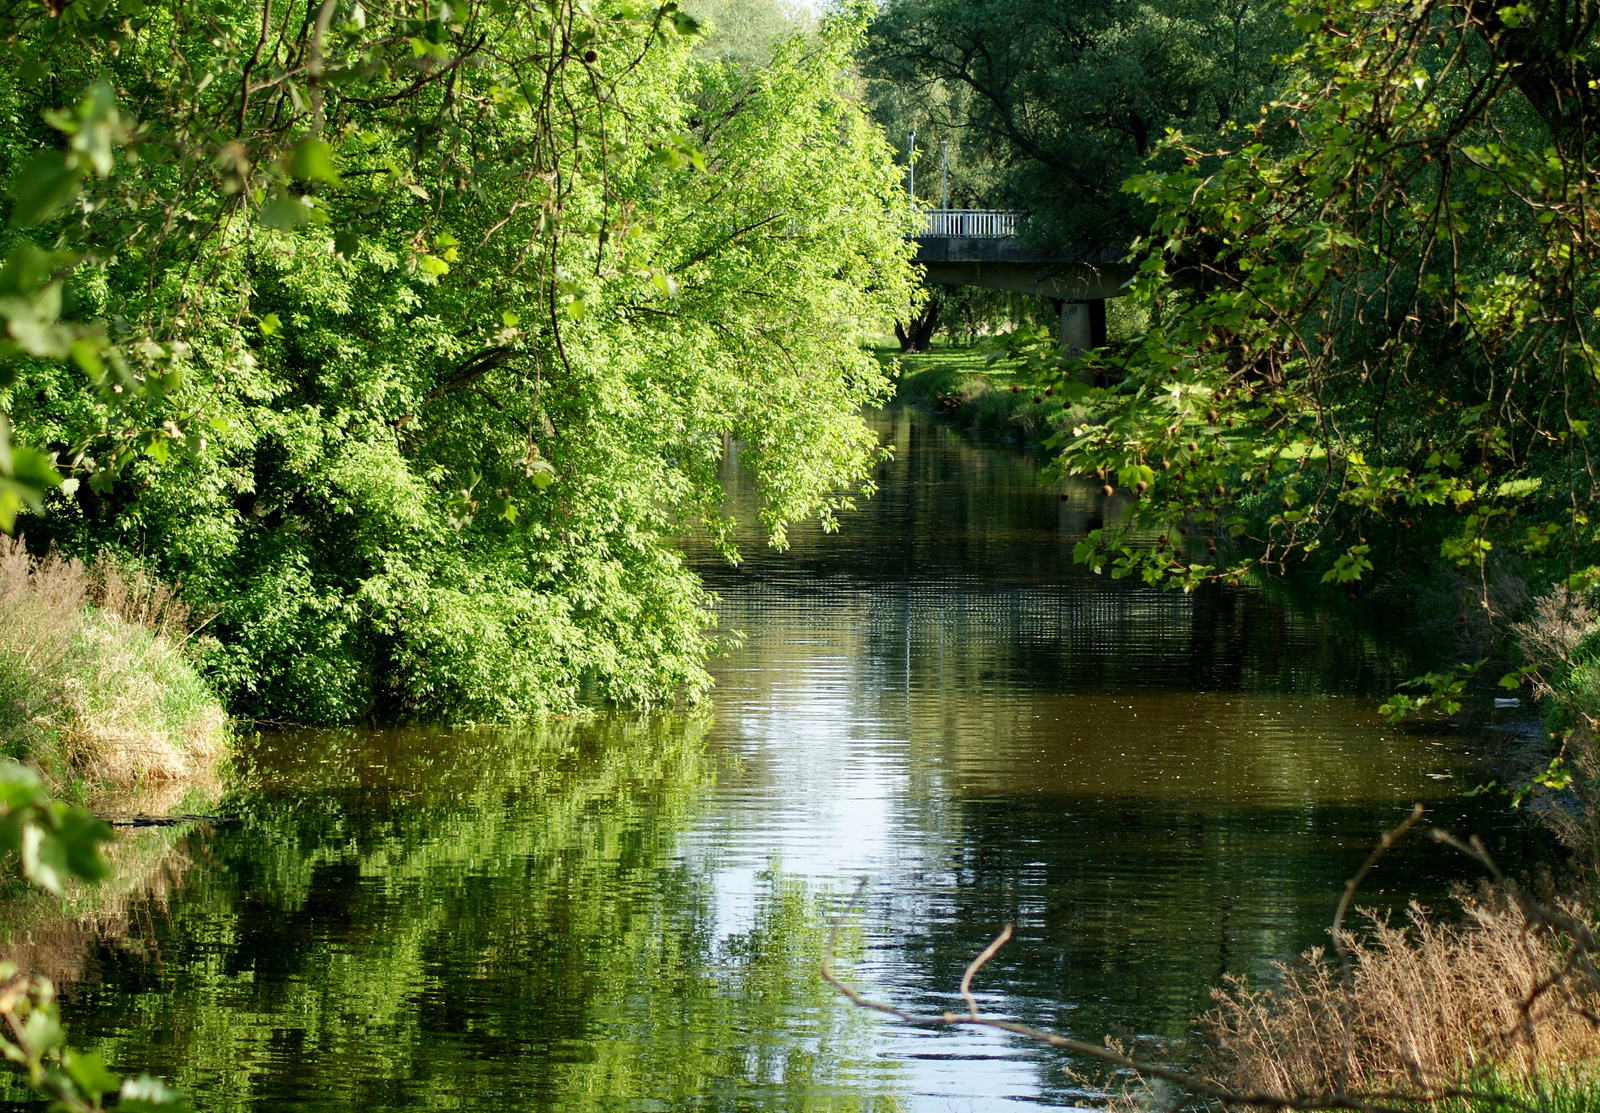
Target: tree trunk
x=916 y=334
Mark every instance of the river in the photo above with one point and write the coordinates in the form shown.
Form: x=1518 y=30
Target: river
x=1158 y=790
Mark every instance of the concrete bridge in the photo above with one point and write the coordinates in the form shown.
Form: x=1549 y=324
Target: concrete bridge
x=980 y=247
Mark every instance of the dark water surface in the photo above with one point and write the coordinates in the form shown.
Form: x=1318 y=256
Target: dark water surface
x=1158 y=790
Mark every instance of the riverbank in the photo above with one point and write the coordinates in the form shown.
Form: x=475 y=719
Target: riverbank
x=1418 y=598
x=1154 y=787
x=981 y=398
x=97 y=692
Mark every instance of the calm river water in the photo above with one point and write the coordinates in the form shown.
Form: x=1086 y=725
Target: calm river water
x=1158 y=790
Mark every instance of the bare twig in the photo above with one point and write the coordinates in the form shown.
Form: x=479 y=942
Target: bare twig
x=1350 y=887
x=972 y=968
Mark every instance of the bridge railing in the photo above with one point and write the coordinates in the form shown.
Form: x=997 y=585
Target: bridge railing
x=974 y=223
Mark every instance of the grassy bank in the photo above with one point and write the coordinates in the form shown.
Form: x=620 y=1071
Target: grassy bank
x=982 y=399
x=96 y=691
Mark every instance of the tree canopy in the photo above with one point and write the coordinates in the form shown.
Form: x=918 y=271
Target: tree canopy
x=405 y=337
x=1049 y=107
x=1371 y=320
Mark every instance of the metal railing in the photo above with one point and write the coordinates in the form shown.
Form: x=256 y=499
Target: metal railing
x=973 y=223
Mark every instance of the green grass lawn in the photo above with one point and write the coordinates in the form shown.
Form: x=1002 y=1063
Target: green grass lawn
x=971 y=392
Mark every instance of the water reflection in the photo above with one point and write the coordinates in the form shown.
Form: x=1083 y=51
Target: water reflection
x=627 y=914
x=432 y=920
x=1158 y=789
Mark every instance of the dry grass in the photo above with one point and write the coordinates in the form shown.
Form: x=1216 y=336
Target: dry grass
x=93 y=681
x=1561 y=640
x=1425 y=1003
x=1500 y=1000
x=1559 y=624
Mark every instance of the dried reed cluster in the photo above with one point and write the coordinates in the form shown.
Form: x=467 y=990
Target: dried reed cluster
x=1425 y=1005
x=94 y=683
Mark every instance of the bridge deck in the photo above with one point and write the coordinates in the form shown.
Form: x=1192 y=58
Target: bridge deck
x=973 y=247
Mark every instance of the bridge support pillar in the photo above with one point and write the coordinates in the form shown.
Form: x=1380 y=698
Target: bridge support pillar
x=1075 y=331
x=1083 y=326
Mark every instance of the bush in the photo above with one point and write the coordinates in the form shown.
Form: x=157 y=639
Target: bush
x=975 y=395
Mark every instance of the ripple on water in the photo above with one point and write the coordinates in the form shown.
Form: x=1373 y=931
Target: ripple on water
x=627 y=914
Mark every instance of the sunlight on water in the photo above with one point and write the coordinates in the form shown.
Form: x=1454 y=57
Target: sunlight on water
x=628 y=914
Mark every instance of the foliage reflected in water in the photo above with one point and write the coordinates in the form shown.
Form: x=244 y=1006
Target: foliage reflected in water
x=430 y=920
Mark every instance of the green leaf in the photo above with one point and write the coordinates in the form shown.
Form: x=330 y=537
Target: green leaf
x=88 y=1070
x=283 y=213
x=1516 y=15
x=19 y=786
x=312 y=161
x=346 y=243
x=27 y=269
x=95 y=128
x=685 y=24
x=86 y=354
x=43 y=1030
x=25 y=475
x=45 y=184
x=44 y=860
x=1582 y=580
x=1396 y=707
x=32 y=466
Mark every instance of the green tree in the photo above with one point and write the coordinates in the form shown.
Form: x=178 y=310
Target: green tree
x=1372 y=320
x=1049 y=107
x=747 y=32
x=413 y=336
